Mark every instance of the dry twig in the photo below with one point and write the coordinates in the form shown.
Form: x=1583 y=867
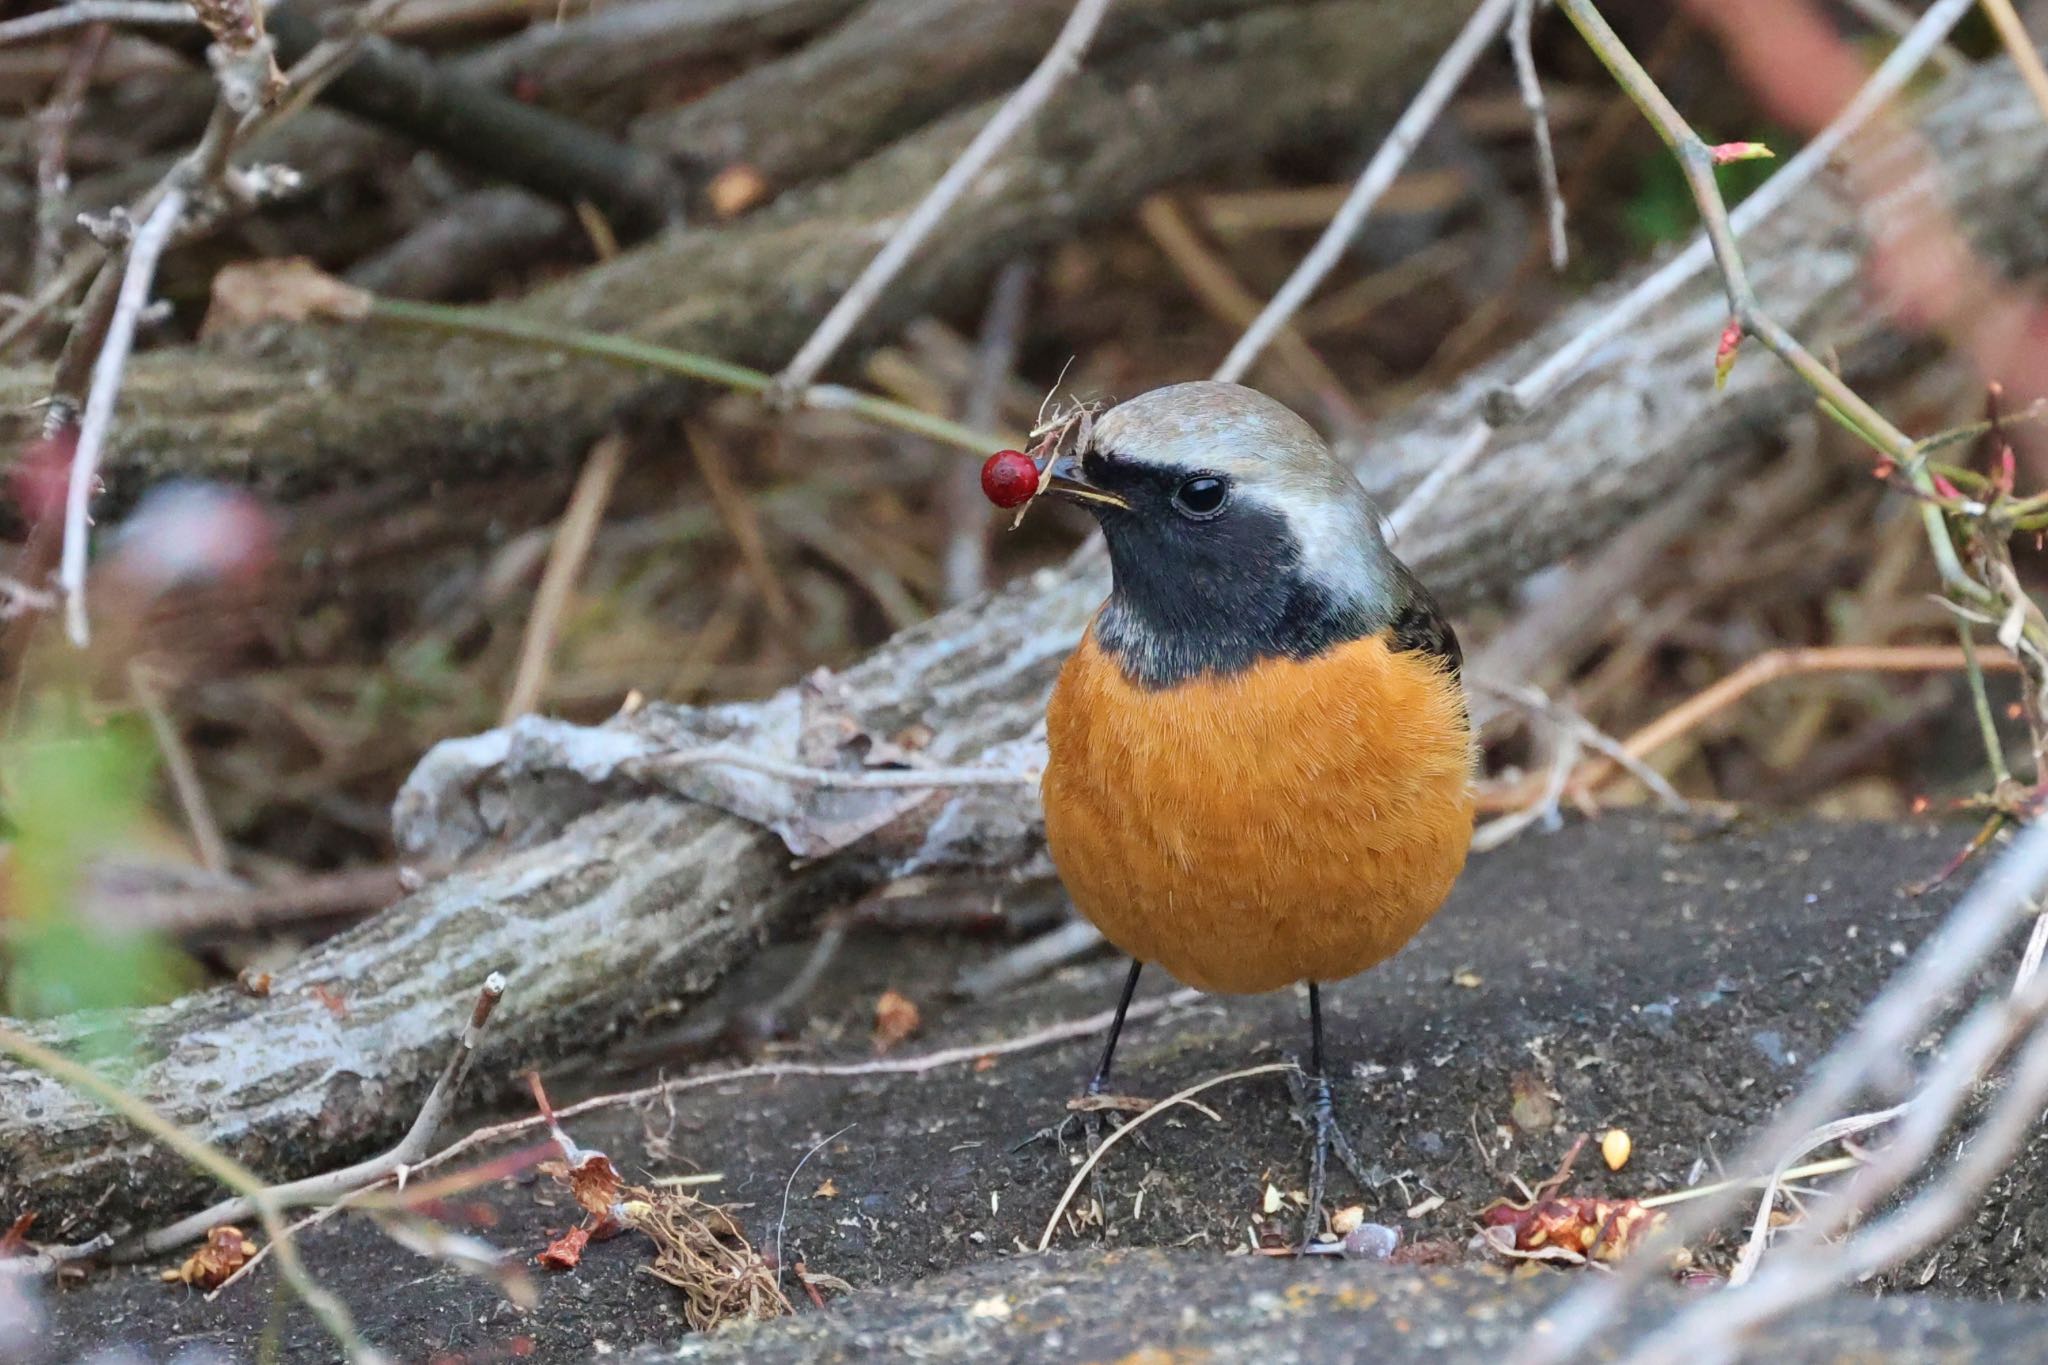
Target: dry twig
x=112 y=362
x=1870 y=1052
x=1520 y=42
x=1066 y=1031
x=256 y=1198
x=79 y=13
x=1482 y=28
x=574 y=535
x=1059 y=64
x=2013 y=34
x=1143 y=1117
x=333 y=1185
x=1540 y=384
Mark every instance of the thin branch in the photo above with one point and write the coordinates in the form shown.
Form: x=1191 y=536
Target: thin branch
x=107 y=371
x=505 y=326
x=79 y=13
x=184 y=773
x=1887 y=1027
x=2013 y=34
x=1065 y=1031
x=1794 y=662
x=333 y=1185
x=1895 y=19
x=1521 y=44
x=1482 y=28
x=574 y=535
x=333 y=1315
x=1980 y=702
x=1145 y=1116
x=1712 y=1331
x=1698 y=161
x=995 y=355
x=1827 y=1133
x=1058 y=65
x=1568 y=361
x=832 y=779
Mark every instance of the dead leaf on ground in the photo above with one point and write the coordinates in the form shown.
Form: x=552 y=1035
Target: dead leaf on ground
x=896 y=1018
x=595 y=1182
x=565 y=1251
x=288 y=290
x=224 y=1251
x=14 y=1242
x=826 y=1190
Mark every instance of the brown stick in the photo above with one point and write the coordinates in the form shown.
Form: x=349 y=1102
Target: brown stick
x=574 y=535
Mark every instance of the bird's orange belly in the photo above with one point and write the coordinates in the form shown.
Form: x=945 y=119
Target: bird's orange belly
x=1299 y=821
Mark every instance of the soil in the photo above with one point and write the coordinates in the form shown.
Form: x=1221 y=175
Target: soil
x=1674 y=979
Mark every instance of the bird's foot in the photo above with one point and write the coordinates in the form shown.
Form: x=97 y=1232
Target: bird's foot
x=1088 y=1109
x=1317 y=1112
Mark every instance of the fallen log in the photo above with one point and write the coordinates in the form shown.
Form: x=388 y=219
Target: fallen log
x=610 y=882
x=323 y=407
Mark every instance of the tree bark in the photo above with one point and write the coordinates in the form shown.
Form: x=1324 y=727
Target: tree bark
x=607 y=886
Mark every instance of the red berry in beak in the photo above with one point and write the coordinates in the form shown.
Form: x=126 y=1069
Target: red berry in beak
x=1009 y=478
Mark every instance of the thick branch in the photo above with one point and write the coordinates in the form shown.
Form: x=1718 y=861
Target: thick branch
x=329 y=406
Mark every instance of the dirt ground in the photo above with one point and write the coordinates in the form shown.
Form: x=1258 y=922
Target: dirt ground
x=1673 y=979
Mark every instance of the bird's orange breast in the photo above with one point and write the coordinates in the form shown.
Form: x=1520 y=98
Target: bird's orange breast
x=1298 y=821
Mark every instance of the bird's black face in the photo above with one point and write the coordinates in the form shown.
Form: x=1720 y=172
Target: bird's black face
x=1208 y=576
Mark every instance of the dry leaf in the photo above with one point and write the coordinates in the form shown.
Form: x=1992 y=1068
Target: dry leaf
x=1346 y=1220
x=595 y=1182
x=896 y=1018
x=14 y=1242
x=565 y=1251
x=736 y=189
x=289 y=290
x=224 y=1251
x=827 y=1190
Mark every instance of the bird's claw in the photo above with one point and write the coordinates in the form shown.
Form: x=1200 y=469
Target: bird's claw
x=1316 y=1110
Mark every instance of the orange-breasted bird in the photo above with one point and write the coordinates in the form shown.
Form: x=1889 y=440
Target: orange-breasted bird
x=1261 y=767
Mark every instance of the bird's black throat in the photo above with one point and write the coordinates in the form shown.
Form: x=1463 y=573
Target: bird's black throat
x=1214 y=598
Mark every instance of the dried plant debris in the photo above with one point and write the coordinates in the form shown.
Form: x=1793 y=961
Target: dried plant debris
x=1579 y=1230
x=896 y=1019
x=700 y=1249
x=225 y=1251
x=566 y=1251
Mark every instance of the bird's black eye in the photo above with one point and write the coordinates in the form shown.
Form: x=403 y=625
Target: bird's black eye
x=1202 y=496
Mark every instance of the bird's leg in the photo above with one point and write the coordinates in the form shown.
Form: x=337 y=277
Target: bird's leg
x=1321 y=1119
x=1091 y=1117
x=1091 y=1114
x=1098 y=1083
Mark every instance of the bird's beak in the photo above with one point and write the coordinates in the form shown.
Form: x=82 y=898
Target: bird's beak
x=1069 y=482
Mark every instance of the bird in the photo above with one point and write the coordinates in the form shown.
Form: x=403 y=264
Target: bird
x=1260 y=767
